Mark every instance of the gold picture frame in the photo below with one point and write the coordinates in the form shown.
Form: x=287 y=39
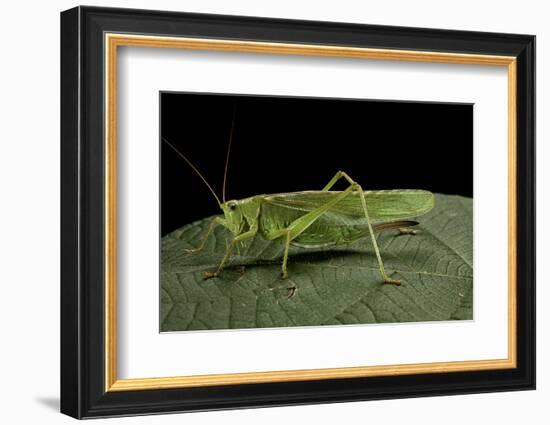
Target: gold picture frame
x=91 y=40
x=114 y=41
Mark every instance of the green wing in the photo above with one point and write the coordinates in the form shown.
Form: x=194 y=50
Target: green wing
x=383 y=205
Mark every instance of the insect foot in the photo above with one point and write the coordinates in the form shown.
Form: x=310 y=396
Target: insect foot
x=407 y=231
x=210 y=275
x=392 y=281
x=291 y=292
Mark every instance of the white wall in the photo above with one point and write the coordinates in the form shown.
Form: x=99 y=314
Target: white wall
x=29 y=207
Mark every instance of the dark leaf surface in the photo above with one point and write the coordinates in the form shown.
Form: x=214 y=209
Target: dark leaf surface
x=325 y=287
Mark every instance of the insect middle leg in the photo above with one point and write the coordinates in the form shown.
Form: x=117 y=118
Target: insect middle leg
x=284 y=272
x=357 y=188
x=299 y=225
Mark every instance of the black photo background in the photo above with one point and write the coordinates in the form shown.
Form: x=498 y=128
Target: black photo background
x=286 y=144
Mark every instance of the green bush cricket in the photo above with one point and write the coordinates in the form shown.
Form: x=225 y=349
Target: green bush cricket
x=315 y=218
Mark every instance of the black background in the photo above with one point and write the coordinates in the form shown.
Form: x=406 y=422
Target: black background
x=285 y=144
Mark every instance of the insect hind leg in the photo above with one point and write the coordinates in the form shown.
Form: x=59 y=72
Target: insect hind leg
x=357 y=188
x=339 y=175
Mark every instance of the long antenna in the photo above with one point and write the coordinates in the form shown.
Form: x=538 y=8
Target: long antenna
x=228 y=151
x=194 y=169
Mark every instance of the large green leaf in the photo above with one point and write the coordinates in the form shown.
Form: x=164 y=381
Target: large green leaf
x=332 y=287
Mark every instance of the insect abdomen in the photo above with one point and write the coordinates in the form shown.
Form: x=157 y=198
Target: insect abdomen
x=325 y=234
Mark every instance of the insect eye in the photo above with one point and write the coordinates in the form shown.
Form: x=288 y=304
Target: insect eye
x=232 y=206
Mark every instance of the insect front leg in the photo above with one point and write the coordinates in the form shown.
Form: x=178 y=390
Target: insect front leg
x=357 y=188
x=215 y=222
x=239 y=238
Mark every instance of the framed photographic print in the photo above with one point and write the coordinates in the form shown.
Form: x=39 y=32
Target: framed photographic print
x=261 y=212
